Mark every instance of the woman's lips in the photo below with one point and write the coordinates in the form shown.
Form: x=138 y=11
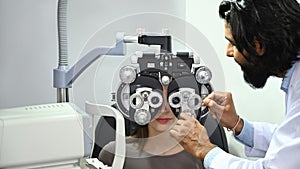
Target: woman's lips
x=163 y=120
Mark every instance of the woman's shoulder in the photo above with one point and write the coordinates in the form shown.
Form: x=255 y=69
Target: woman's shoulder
x=131 y=147
x=178 y=160
x=107 y=153
x=110 y=147
x=136 y=158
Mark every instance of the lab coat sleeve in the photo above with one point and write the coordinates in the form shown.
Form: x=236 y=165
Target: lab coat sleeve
x=282 y=153
x=222 y=160
x=246 y=135
x=256 y=138
x=263 y=133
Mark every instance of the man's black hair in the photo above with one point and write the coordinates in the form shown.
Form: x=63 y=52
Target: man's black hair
x=275 y=24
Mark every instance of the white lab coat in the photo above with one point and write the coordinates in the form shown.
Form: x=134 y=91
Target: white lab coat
x=279 y=146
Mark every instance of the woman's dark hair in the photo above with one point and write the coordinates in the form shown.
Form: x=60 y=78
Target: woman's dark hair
x=140 y=133
x=275 y=24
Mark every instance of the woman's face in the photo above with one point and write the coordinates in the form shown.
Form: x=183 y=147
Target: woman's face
x=164 y=119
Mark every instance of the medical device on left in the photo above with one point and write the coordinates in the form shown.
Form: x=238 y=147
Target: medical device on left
x=44 y=136
x=54 y=136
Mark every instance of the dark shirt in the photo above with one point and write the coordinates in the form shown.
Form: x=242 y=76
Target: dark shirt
x=136 y=159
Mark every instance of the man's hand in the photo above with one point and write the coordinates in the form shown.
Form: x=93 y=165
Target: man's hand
x=221 y=107
x=192 y=136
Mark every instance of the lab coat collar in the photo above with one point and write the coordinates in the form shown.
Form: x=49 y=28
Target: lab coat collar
x=287 y=78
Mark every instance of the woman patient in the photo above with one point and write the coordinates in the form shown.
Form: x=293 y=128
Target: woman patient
x=151 y=146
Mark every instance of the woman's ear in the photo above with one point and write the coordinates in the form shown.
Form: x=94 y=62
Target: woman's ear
x=260 y=48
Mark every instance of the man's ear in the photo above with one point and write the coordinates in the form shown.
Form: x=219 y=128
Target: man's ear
x=260 y=48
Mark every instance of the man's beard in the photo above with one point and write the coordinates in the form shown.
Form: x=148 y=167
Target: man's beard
x=255 y=75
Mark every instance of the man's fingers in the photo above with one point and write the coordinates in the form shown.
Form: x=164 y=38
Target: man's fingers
x=211 y=95
x=182 y=127
x=178 y=132
x=218 y=97
x=215 y=109
x=213 y=105
x=175 y=134
x=215 y=95
x=206 y=102
x=210 y=103
x=185 y=116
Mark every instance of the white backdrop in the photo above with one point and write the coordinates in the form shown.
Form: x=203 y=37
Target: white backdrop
x=28 y=43
x=28 y=51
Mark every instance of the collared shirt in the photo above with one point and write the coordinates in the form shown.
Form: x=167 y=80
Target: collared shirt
x=276 y=144
x=287 y=79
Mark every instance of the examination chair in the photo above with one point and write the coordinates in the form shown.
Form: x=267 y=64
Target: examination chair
x=105 y=132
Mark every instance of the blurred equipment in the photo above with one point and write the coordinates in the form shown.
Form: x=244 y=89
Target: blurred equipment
x=44 y=136
x=108 y=111
x=55 y=136
x=139 y=95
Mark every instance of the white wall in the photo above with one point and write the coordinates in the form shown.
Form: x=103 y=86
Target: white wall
x=28 y=44
x=28 y=50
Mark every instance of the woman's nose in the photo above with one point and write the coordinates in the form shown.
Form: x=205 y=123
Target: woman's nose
x=165 y=106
